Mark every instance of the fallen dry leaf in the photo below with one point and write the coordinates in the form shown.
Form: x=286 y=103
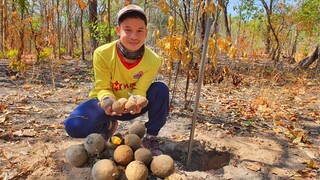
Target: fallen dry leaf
x=254 y=166
x=47 y=93
x=279 y=172
x=277 y=130
x=309 y=153
x=279 y=123
x=25 y=133
x=27 y=86
x=4 y=118
x=3 y=107
x=298 y=137
x=176 y=136
x=306 y=173
x=312 y=164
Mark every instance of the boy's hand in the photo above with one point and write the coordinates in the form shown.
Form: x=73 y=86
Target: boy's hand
x=106 y=105
x=106 y=102
x=135 y=104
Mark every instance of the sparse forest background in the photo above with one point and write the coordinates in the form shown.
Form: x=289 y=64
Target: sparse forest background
x=278 y=31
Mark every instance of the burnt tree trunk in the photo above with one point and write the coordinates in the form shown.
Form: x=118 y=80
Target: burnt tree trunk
x=307 y=61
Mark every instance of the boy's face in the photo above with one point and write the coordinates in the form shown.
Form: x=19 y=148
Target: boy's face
x=132 y=33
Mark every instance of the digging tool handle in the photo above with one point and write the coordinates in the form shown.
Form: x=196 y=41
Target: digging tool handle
x=203 y=57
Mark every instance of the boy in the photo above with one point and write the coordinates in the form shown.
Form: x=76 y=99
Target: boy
x=123 y=68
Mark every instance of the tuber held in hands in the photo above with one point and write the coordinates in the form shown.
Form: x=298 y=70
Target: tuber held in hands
x=142 y=101
x=106 y=102
x=119 y=105
x=135 y=100
x=130 y=105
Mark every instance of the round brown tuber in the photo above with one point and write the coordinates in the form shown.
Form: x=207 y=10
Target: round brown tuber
x=106 y=102
x=130 y=106
x=94 y=144
x=119 y=105
x=133 y=98
x=123 y=155
x=133 y=141
x=137 y=170
x=137 y=128
x=105 y=169
x=144 y=155
x=142 y=101
x=162 y=166
x=76 y=155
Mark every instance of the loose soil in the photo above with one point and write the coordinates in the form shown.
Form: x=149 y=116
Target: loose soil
x=266 y=127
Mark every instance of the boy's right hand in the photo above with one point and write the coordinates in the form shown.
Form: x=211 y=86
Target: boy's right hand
x=106 y=104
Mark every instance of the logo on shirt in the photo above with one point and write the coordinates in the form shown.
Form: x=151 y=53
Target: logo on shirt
x=138 y=75
x=116 y=86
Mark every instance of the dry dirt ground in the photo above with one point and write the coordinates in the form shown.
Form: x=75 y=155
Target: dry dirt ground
x=267 y=127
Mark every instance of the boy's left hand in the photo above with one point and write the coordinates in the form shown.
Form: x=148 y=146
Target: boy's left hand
x=136 y=110
x=133 y=106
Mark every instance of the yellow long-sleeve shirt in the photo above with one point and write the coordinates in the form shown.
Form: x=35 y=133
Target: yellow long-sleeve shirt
x=115 y=78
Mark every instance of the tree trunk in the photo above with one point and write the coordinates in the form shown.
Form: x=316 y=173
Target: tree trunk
x=5 y=23
x=53 y=30
x=269 y=12
x=294 y=47
x=268 y=41
x=70 y=31
x=82 y=35
x=216 y=22
x=186 y=10
x=307 y=61
x=109 y=21
x=21 y=35
x=224 y=4
x=1 y=27
x=203 y=24
x=58 y=29
x=93 y=4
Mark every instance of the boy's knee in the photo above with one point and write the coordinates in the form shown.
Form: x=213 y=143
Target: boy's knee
x=74 y=127
x=161 y=87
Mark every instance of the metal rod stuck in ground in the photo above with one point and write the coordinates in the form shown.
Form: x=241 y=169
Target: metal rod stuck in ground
x=195 y=110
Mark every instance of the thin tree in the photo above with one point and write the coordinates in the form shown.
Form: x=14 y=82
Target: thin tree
x=58 y=28
x=109 y=22
x=93 y=16
x=23 y=9
x=53 y=30
x=224 y=5
x=82 y=6
x=4 y=24
x=70 y=33
x=1 y=27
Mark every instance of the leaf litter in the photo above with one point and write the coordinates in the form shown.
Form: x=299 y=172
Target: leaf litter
x=255 y=130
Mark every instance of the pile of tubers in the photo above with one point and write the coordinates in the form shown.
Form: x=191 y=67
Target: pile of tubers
x=127 y=158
